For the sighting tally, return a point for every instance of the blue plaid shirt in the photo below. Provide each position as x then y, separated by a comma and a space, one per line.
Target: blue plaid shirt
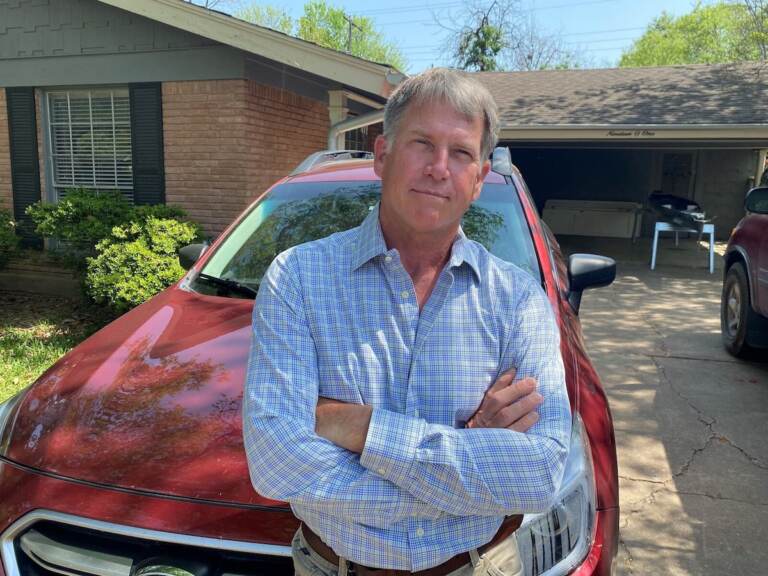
338, 318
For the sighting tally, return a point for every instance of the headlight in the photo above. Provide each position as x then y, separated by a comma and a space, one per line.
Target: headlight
6, 409
555, 542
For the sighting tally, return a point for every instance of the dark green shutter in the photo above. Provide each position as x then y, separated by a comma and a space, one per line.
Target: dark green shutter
147, 143
25, 165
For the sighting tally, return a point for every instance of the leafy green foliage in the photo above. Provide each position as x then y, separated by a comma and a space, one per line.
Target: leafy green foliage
9, 242
137, 260
268, 16
479, 48
330, 27
83, 216
718, 33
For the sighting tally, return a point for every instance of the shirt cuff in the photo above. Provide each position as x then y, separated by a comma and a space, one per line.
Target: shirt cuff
390, 446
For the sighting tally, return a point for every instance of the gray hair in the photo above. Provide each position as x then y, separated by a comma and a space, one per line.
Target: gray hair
458, 89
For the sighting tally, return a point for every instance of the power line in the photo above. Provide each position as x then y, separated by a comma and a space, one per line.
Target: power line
425, 7
605, 40
604, 31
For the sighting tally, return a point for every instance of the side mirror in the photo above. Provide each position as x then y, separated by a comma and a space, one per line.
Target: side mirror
588, 271
190, 254
756, 201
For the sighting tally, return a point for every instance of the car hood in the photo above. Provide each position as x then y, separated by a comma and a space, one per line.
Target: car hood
151, 402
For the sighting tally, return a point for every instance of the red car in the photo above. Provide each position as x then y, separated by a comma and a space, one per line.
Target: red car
126, 457
744, 304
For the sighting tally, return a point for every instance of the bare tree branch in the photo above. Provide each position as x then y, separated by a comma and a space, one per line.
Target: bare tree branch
498, 35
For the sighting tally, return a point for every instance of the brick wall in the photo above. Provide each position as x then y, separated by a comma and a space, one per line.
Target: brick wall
5, 156
226, 141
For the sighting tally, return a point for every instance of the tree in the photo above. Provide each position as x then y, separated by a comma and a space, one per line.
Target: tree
268, 16
532, 49
758, 14
480, 42
724, 32
499, 36
330, 27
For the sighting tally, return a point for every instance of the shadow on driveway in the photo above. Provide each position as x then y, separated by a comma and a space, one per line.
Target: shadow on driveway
690, 420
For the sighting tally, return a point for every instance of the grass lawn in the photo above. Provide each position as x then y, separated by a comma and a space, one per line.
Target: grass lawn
36, 330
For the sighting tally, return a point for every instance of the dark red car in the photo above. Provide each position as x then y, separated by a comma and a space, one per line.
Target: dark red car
744, 304
126, 457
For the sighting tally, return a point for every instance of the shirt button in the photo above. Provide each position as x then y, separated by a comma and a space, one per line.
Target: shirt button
387, 259
419, 532
382, 471
405, 294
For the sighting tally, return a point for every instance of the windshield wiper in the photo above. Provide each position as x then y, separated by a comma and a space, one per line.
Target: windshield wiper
230, 285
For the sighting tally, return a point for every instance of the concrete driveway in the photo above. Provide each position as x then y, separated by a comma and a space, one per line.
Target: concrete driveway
691, 424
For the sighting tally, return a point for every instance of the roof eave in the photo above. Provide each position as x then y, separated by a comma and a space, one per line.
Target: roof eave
348, 70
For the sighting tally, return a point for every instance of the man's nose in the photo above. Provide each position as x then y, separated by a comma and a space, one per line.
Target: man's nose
438, 164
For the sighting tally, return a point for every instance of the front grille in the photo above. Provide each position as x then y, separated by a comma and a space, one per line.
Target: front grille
48, 547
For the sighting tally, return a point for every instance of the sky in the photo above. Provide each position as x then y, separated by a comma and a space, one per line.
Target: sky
598, 29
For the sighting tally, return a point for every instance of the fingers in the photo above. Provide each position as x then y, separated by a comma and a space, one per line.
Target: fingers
502, 398
526, 422
509, 404
519, 409
504, 380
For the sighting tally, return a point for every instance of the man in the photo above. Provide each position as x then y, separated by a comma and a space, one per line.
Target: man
381, 398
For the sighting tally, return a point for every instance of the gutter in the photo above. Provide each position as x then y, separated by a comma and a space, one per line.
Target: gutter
337, 131
635, 132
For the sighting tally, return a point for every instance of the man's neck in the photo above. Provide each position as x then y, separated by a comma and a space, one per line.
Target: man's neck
422, 256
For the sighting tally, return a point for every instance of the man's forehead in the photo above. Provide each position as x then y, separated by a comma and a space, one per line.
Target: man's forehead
428, 118
419, 107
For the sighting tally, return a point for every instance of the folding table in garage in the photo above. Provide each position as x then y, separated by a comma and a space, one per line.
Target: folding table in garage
667, 227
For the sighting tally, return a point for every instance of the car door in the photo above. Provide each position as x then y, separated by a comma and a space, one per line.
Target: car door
761, 229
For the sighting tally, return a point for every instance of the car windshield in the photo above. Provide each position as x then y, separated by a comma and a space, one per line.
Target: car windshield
293, 213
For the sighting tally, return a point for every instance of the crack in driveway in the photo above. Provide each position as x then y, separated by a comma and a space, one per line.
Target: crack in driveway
657, 353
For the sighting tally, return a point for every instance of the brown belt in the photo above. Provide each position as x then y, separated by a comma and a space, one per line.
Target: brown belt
510, 524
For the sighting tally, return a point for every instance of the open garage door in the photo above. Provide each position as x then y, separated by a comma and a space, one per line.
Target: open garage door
607, 182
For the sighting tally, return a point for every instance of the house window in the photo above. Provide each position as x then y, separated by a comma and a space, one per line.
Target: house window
356, 139
90, 140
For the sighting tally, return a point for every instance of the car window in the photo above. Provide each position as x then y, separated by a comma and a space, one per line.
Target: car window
294, 213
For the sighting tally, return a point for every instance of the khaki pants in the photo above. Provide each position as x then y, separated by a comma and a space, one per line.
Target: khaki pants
501, 560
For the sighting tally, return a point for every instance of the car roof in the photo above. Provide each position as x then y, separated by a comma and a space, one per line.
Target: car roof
346, 170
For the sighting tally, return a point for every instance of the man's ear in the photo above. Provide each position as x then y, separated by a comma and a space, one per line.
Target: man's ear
379, 154
479, 184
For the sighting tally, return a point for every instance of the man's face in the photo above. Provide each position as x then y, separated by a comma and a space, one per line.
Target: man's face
432, 172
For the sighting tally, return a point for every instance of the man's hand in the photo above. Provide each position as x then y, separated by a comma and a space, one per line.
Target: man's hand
508, 404
344, 424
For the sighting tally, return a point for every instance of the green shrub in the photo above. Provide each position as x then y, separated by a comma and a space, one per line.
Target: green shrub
9, 242
137, 260
83, 216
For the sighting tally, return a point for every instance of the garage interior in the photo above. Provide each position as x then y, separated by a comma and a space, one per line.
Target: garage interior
716, 178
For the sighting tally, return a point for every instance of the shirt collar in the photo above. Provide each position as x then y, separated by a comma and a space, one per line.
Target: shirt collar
370, 240
370, 244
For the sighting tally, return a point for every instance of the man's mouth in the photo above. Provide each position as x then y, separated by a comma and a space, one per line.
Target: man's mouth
433, 193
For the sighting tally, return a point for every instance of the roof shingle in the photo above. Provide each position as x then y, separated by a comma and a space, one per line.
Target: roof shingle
724, 94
